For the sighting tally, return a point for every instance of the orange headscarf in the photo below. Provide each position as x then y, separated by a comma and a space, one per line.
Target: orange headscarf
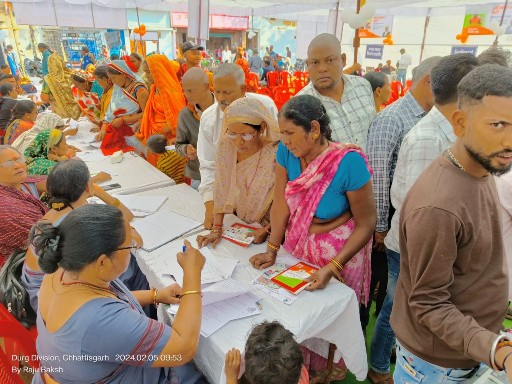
165, 94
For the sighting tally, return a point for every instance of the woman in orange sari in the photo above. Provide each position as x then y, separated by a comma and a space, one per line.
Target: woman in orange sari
244, 64
165, 101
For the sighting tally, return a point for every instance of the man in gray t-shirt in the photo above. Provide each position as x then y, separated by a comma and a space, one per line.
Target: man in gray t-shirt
255, 62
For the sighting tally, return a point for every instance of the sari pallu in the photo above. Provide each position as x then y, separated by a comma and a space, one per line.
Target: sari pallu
15, 129
36, 154
58, 83
88, 102
303, 196
122, 103
19, 211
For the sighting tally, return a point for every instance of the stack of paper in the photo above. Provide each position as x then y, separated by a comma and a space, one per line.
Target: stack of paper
264, 283
163, 227
223, 302
215, 268
142, 206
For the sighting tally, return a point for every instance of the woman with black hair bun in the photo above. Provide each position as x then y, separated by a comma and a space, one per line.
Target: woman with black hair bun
91, 324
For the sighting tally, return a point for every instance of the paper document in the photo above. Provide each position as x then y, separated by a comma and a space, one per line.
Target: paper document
215, 269
148, 204
264, 283
163, 227
90, 156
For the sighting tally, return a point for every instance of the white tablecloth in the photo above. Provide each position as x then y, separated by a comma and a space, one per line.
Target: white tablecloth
133, 173
315, 318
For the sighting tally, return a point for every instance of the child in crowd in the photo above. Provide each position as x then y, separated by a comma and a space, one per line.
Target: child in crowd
169, 162
271, 356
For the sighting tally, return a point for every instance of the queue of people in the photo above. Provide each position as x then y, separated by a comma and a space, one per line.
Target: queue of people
404, 198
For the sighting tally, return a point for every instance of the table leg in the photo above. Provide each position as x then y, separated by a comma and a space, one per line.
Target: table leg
330, 360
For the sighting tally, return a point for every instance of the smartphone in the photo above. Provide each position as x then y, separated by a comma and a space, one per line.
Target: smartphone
111, 186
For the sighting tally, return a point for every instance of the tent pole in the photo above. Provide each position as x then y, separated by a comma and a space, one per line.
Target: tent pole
336, 20
14, 27
427, 21
501, 21
357, 39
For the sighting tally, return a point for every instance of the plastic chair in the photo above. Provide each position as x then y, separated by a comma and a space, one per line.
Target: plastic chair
408, 85
265, 91
286, 79
396, 91
301, 75
281, 96
298, 84
272, 79
14, 333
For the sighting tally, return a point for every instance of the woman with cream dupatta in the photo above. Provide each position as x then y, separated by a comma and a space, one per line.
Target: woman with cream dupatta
244, 170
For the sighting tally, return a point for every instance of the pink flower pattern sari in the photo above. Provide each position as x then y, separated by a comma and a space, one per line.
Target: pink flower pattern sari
303, 196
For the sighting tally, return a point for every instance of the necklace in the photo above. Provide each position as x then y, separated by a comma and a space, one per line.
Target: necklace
83, 283
306, 162
455, 161
247, 187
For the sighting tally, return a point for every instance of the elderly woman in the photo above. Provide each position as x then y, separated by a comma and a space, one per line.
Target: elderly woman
125, 111
58, 88
85, 310
88, 101
47, 148
20, 207
69, 185
244, 168
324, 200
24, 115
165, 101
380, 88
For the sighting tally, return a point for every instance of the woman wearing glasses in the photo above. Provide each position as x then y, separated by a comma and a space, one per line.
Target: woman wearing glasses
69, 186
91, 324
244, 168
20, 207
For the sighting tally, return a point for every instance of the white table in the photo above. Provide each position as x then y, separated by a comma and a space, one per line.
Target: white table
133, 173
316, 318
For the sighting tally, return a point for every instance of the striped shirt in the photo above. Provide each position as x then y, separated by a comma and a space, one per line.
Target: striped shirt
422, 145
384, 139
351, 118
173, 165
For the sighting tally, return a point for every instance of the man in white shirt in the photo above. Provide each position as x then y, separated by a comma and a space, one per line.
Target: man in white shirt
229, 85
226, 55
424, 143
504, 186
347, 99
404, 63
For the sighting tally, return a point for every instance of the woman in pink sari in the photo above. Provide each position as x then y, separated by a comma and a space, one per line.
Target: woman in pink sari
323, 199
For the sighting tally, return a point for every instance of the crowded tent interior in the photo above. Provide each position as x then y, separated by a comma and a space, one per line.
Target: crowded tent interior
256, 191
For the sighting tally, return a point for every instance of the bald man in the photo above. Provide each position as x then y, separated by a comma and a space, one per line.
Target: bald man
196, 88
229, 85
348, 99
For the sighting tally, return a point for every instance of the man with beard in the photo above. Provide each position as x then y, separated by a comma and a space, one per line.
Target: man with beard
452, 292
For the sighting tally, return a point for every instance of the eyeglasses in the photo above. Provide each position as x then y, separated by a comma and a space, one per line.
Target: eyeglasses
12, 162
245, 136
133, 247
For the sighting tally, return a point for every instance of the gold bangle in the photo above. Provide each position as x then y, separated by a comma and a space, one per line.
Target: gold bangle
272, 248
337, 264
116, 202
155, 292
267, 230
190, 293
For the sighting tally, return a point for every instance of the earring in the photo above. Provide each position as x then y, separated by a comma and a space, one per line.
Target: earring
315, 136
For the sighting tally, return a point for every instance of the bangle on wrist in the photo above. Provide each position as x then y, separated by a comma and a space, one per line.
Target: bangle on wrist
494, 348
154, 293
267, 230
190, 293
337, 264
272, 247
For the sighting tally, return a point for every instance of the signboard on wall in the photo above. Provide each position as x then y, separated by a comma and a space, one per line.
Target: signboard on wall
235, 23
377, 26
374, 51
464, 49
496, 14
